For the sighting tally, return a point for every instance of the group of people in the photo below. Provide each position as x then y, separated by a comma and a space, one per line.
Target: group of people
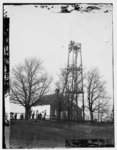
16, 116
39, 116
13, 115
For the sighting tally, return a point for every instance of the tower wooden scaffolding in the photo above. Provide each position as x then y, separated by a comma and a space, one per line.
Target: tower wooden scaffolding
74, 77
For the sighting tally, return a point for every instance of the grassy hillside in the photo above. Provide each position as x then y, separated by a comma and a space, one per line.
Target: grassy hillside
28, 134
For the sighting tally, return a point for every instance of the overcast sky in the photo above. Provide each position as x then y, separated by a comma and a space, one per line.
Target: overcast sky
45, 33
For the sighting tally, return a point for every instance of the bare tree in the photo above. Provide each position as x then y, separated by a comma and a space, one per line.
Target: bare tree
96, 92
28, 84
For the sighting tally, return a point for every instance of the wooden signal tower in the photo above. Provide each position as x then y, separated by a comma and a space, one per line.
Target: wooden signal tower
74, 78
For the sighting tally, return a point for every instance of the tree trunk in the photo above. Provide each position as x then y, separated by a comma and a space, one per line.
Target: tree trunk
91, 116
27, 113
69, 114
59, 114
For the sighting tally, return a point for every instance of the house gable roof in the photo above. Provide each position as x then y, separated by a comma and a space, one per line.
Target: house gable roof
47, 100
51, 100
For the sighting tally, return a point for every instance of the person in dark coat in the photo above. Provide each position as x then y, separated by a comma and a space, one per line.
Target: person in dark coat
33, 116
15, 116
40, 116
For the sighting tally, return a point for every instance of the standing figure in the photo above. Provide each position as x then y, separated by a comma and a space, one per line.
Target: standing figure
40, 116
15, 116
44, 115
33, 115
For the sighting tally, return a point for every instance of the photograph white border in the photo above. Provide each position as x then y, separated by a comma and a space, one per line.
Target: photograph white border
114, 2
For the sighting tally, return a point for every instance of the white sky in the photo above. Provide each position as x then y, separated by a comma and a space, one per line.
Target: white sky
46, 35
